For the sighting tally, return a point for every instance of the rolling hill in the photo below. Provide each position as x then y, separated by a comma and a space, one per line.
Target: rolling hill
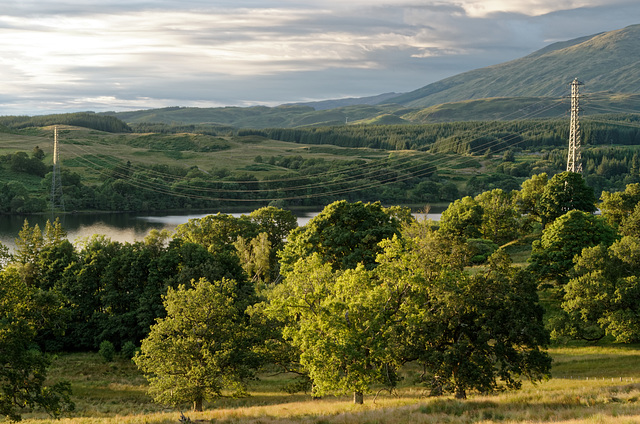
536, 85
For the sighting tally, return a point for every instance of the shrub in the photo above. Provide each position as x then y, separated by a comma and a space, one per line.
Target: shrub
107, 351
481, 249
129, 350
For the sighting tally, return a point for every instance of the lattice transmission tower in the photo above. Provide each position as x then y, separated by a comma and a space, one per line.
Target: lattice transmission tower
574, 158
57, 202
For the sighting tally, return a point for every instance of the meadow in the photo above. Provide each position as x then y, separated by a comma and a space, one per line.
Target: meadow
590, 384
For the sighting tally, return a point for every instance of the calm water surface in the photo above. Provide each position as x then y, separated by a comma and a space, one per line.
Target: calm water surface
122, 227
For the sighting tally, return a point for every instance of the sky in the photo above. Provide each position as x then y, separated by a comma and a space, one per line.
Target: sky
61, 56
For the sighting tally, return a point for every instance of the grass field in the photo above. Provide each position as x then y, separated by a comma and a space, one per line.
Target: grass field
590, 384
89, 152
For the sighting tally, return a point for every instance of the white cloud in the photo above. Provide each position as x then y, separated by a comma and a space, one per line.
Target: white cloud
137, 53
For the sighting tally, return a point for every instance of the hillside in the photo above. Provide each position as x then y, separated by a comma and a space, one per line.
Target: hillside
285, 116
351, 101
497, 108
536, 85
606, 62
515, 108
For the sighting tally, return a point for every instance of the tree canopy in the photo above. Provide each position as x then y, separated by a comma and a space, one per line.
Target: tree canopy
604, 296
201, 347
344, 234
565, 192
552, 256
25, 312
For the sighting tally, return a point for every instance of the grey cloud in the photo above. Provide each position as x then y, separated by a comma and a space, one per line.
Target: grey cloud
441, 41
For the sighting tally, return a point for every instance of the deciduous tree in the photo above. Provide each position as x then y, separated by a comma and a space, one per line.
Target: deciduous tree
605, 293
202, 346
619, 205
501, 222
552, 256
344, 234
24, 312
343, 324
462, 219
565, 192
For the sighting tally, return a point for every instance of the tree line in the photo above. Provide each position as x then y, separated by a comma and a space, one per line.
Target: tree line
78, 119
343, 302
464, 137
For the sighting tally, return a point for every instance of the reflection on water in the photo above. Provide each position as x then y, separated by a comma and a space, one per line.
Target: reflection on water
122, 227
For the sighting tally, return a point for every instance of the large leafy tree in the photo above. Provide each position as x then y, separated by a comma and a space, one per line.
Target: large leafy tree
501, 222
203, 345
483, 332
528, 198
604, 296
630, 225
217, 232
276, 223
24, 312
565, 192
462, 220
344, 234
343, 323
469, 332
617, 206
552, 256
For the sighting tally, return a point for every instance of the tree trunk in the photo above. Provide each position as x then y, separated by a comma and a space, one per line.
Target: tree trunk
197, 404
358, 398
461, 393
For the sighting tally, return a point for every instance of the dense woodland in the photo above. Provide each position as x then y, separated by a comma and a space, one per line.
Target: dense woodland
79, 119
343, 302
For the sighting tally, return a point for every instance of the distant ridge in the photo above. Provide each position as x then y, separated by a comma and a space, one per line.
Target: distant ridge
351, 101
608, 61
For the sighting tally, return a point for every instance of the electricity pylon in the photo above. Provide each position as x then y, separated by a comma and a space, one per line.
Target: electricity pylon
574, 158
57, 202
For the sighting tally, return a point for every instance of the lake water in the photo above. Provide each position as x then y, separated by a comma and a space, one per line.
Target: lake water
122, 227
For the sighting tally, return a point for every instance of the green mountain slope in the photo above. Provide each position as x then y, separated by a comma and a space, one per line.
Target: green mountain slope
534, 86
603, 62
285, 116
515, 108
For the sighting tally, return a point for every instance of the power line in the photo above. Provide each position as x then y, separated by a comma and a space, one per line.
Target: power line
367, 184
414, 166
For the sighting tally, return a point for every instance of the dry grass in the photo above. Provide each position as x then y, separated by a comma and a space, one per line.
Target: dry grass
590, 385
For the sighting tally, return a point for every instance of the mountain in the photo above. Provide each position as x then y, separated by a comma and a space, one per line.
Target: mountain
605, 62
536, 85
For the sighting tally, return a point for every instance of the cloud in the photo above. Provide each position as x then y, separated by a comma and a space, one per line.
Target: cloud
133, 54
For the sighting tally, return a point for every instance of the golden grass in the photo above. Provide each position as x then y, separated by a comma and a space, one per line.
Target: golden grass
591, 384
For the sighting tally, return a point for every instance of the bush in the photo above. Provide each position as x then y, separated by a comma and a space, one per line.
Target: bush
107, 351
129, 350
481, 249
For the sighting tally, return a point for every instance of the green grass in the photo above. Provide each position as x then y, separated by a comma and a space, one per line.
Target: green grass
92, 154
79, 146
590, 384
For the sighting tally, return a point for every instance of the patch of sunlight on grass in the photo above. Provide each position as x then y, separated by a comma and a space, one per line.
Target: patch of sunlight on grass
116, 393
